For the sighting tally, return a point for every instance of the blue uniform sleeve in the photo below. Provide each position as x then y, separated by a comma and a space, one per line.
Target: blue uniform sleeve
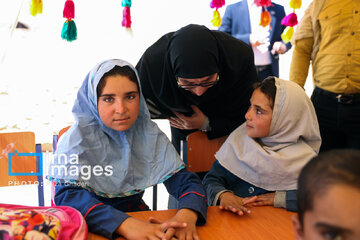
101, 219
215, 181
291, 201
186, 187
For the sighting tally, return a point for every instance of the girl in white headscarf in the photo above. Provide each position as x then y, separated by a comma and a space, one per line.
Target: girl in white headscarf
104, 162
260, 161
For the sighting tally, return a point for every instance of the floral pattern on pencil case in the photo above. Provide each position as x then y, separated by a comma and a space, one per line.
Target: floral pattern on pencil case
28, 224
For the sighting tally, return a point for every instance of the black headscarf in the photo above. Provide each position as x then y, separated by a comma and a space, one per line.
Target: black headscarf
193, 52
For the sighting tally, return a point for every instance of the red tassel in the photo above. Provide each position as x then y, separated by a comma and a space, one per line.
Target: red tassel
69, 9
217, 3
126, 22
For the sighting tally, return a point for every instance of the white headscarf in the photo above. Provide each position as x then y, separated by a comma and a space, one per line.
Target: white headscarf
274, 162
140, 157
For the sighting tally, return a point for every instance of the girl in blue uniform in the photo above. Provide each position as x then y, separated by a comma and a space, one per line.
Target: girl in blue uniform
260, 161
105, 161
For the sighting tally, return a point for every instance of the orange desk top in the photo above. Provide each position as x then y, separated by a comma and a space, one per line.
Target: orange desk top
263, 223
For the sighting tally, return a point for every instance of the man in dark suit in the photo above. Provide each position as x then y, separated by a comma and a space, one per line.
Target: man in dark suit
242, 20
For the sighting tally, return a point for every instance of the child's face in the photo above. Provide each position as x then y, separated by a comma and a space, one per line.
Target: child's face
258, 117
335, 215
118, 104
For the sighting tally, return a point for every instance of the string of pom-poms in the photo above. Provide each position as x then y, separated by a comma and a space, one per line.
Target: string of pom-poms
290, 21
126, 22
69, 30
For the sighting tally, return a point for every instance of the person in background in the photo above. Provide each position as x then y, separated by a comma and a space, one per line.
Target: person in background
113, 152
329, 197
260, 161
199, 79
328, 37
242, 21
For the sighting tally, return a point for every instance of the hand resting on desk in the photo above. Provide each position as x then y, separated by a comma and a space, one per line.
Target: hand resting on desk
130, 229
231, 202
266, 199
188, 232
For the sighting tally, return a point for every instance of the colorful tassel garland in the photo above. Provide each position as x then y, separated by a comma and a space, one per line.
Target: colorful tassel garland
126, 22
36, 7
69, 9
290, 21
295, 4
263, 3
126, 3
216, 21
69, 31
217, 3
287, 34
265, 18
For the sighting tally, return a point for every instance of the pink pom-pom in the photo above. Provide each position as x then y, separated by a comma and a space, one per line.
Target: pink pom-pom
69, 10
126, 22
290, 20
217, 3
263, 3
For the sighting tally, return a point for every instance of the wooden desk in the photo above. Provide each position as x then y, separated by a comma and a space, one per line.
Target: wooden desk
263, 223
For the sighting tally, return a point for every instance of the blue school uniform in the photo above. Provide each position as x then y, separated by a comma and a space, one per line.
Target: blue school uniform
250, 166
104, 215
218, 179
103, 172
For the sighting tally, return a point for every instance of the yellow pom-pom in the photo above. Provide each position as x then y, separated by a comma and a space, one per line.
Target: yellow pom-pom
216, 21
287, 34
295, 4
36, 7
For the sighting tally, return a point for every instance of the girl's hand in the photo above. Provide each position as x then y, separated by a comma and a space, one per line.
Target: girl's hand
232, 203
182, 216
183, 122
266, 199
135, 229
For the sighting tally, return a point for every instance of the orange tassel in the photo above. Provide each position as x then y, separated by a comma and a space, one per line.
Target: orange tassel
265, 18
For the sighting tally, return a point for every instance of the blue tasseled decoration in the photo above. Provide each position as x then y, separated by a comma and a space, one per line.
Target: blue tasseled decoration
126, 3
69, 31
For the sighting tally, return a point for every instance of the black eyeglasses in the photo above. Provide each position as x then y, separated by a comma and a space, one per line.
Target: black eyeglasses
204, 84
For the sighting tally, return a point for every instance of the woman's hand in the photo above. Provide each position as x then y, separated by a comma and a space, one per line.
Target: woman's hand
182, 216
232, 203
266, 199
183, 122
135, 229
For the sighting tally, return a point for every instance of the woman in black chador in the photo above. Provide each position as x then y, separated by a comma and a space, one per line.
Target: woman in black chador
199, 79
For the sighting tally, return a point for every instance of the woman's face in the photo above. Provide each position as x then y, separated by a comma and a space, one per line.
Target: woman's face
259, 115
198, 86
118, 104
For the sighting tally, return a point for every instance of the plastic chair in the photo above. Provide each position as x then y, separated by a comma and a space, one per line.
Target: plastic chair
198, 154
21, 161
198, 151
